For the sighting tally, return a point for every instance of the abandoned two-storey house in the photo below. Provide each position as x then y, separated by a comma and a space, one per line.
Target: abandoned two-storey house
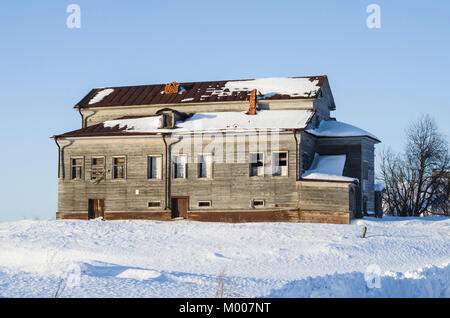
229, 151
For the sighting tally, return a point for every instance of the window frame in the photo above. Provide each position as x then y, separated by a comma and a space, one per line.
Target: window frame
209, 166
154, 207
124, 165
159, 170
258, 206
174, 163
286, 173
82, 172
204, 201
259, 168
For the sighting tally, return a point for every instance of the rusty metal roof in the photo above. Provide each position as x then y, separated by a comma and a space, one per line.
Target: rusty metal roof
193, 92
100, 130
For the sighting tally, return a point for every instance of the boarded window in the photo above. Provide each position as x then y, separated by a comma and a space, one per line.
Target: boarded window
154, 167
205, 166
179, 167
76, 168
119, 167
256, 164
280, 164
97, 168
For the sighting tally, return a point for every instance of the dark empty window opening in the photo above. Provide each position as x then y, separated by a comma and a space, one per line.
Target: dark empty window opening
154, 204
204, 204
258, 203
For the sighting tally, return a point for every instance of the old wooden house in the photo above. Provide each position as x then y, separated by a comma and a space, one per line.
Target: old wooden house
229, 151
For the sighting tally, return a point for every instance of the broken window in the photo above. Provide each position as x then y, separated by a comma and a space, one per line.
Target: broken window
76, 168
204, 166
119, 171
179, 167
154, 169
280, 164
97, 168
256, 164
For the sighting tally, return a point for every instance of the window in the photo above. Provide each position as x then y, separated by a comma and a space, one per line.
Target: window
179, 167
204, 166
258, 203
365, 176
119, 168
256, 164
154, 169
280, 164
204, 204
365, 170
154, 204
97, 168
76, 168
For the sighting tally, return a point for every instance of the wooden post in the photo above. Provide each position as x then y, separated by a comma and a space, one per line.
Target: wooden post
364, 232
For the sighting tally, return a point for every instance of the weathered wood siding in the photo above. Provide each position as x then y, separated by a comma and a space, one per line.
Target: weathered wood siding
357, 150
324, 202
230, 189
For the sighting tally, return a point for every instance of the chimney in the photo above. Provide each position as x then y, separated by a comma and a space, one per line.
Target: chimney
252, 107
171, 88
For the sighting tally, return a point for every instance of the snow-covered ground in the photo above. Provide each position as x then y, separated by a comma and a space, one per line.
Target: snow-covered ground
192, 259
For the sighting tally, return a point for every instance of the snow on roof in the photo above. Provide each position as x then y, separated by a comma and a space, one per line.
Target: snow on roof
143, 124
228, 121
327, 168
294, 87
332, 128
100, 95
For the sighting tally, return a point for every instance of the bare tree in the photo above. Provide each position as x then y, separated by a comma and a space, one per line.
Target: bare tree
416, 181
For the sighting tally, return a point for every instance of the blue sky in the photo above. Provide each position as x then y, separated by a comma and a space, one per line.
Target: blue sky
382, 79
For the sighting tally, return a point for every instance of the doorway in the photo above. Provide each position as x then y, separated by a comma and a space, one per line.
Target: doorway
179, 207
96, 208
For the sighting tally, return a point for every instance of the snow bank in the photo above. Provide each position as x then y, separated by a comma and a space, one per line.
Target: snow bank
431, 281
333, 128
327, 168
100, 95
146, 258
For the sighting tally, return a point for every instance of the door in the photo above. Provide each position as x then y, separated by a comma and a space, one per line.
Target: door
179, 207
96, 208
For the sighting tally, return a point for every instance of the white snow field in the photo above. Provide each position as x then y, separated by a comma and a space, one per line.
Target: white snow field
192, 259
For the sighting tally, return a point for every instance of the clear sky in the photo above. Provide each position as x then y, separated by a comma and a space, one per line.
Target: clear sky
381, 78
